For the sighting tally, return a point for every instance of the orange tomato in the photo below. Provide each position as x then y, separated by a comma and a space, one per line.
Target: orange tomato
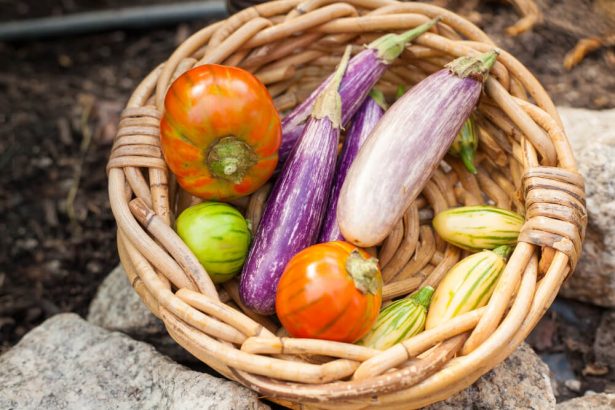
330, 291
220, 132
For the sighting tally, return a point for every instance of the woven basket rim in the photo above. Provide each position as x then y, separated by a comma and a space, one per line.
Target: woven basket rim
526, 163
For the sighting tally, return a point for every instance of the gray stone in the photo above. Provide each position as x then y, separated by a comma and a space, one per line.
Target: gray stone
67, 363
520, 382
602, 401
605, 340
117, 306
592, 135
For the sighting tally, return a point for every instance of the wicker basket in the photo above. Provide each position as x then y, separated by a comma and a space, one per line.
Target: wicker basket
526, 164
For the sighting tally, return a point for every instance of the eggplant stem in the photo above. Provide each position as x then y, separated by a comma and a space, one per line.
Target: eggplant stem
329, 103
476, 67
390, 46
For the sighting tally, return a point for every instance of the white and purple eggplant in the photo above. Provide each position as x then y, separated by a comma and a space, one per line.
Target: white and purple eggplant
406, 146
293, 212
361, 126
364, 71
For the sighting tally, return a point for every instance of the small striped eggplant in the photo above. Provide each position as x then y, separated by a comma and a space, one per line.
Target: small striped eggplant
478, 227
364, 71
293, 213
361, 126
405, 148
467, 286
399, 321
465, 145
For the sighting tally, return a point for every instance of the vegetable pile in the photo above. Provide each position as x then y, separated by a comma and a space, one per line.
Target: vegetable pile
309, 257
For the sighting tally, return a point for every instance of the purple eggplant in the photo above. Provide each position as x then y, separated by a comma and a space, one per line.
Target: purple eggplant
364, 70
293, 213
361, 126
406, 146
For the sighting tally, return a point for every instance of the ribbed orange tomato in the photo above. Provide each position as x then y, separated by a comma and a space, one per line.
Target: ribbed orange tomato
220, 132
330, 291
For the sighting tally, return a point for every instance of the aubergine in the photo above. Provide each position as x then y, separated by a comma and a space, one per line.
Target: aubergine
364, 71
361, 126
293, 213
405, 148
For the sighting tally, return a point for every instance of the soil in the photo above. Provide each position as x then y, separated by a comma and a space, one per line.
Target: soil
59, 103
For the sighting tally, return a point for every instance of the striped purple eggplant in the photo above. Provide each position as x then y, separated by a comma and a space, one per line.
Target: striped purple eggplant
293, 213
406, 146
364, 71
361, 126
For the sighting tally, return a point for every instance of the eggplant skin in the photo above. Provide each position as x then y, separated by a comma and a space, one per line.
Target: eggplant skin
364, 70
293, 214
361, 126
401, 153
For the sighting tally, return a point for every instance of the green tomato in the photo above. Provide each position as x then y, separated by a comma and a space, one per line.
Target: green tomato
218, 235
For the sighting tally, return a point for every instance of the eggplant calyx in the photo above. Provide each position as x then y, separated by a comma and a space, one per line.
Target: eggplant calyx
476, 67
423, 296
390, 46
363, 272
329, 103
230, 158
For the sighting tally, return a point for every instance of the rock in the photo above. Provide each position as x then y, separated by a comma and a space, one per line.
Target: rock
67, 363
573, 385
592, 136
602, 401
117, 306
605, 340
520, 382
584, 125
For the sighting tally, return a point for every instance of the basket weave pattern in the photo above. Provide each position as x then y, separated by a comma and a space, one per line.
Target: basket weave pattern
525, 164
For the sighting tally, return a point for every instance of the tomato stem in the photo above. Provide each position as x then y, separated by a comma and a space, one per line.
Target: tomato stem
230, 158
363, 272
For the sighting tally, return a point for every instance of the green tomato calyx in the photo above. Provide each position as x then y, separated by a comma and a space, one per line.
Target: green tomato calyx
230, 158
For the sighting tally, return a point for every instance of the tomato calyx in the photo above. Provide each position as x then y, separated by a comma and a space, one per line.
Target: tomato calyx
363, 272
230, 158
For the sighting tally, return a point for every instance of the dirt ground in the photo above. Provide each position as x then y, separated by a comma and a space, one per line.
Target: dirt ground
59, 102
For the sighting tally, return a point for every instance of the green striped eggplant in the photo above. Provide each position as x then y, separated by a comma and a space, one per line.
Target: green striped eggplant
467, 286
399, 321
478, 227
218, 235
465, 144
